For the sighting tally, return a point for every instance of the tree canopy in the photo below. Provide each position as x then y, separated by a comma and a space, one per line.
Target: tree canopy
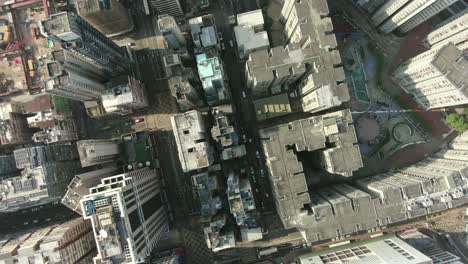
457, 121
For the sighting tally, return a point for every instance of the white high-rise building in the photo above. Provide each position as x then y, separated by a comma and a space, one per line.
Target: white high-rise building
435, 78
453, 30
171, 32
191, 136
127, 214
93, 152
407, 14
385, 249
81, 184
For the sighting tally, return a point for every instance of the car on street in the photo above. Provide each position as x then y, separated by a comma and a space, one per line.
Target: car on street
244, 95
258, 154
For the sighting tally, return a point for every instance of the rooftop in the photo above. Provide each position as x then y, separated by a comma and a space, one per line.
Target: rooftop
273, 106
44, 184
385, 249
205, 184
203, 30
57, 24
80, 185
287, 146
311, 51
252, 18
452, 62
211, 74
192, 140
248, 40
110, 17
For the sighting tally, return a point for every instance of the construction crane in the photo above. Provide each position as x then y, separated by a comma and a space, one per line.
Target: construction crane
17, 45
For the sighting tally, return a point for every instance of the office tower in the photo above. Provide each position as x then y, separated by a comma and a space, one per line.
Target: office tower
124, 95
310, 64
127, 214
81, 38
249, 33
405, 15
39, 155
435, 78
453, 30
94, 152
72, 76
171, 32
37, 186
68, 243
211, 72
191, 138
168, 7
186, 95
384, 249
81, 183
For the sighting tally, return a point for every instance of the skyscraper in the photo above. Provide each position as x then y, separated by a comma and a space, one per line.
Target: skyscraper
81, 184
81, 38
127, 214
435, 78
93, 152
71, 76
168, 7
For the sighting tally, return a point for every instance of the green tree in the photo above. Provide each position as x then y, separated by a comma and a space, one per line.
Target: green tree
457, 121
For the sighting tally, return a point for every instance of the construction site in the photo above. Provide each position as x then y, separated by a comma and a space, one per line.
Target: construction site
23, 48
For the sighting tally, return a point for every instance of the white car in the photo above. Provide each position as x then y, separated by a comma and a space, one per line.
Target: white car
244, 95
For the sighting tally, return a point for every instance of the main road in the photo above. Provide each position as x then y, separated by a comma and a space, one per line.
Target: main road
245, 113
